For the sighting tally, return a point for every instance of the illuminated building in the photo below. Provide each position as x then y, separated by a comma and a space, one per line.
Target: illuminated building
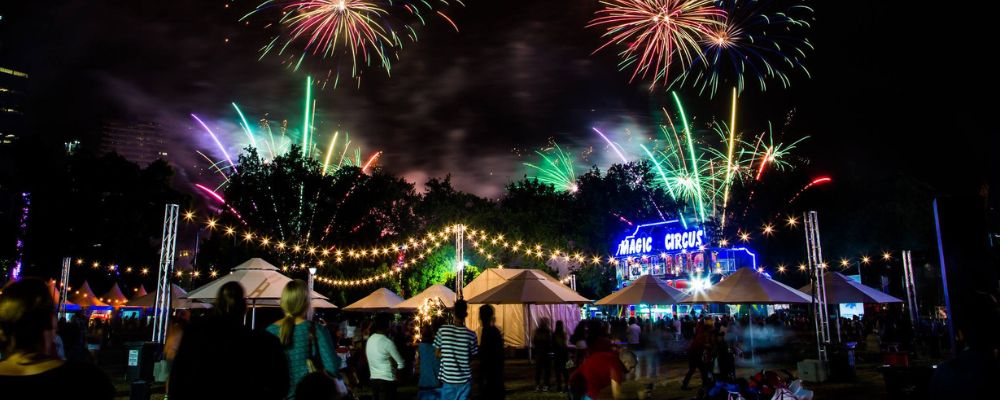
12, 87
139, 142
677, 254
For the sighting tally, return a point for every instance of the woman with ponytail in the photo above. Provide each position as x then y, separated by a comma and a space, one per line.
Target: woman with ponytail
308, 347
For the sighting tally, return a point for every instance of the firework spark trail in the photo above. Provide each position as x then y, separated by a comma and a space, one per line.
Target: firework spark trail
694, 165
371, 160
246, 126
217, 142
659, 170
558, 171
815, 182
612, 144
347, 144
729, 159
453, 25
656, 32
329, 152
305, 119
221, 200
215, 165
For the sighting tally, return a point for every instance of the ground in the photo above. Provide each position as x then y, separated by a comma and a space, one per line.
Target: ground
869, 383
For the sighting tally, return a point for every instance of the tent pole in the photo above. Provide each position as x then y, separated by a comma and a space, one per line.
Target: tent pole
753, 349
838, 324
527, 331
253, 316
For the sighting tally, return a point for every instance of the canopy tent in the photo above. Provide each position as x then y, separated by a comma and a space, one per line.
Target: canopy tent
521, 298
177, 299
114, 296
447, 296
85, 298
841, 289
54, 289
260, 279
138, 292
381, 299
746, 286
647, 289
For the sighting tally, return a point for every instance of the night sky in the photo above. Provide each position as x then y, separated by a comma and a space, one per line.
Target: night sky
894, 107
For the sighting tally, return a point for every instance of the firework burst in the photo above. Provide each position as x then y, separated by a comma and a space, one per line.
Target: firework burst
363, 33
657, 33
753, 41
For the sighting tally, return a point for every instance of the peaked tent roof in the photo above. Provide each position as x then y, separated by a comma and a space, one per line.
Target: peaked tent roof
381, 299
139, 292
260, 280
746, 286
529, 287
84, 297
177, 299
647, 289
841, 289
446, 295
114, 296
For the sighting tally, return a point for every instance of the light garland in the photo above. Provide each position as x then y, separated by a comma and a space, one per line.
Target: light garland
425, 315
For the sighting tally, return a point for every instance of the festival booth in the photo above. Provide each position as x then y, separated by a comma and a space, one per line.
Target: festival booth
521, 298
381, 300
747, 286
88, 302
843, 291
648, 291
261, 281
435, 292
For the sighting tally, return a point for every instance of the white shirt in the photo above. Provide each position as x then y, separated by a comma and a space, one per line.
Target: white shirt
381, 351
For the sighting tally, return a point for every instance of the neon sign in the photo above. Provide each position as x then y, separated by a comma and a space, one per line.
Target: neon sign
658, 237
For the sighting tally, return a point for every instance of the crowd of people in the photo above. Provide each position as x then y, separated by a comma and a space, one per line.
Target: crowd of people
304, 357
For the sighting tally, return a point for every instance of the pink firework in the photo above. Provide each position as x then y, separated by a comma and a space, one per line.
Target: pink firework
657, 33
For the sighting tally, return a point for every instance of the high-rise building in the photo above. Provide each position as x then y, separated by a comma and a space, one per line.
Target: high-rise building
139, 142
13, 83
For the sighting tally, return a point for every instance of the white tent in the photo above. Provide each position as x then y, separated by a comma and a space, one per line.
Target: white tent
447, 296
510, 318
259, 279
381, 299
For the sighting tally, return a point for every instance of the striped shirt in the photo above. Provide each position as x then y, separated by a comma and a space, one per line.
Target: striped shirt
457, 345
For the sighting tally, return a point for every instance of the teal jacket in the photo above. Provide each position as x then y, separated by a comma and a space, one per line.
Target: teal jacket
298, 352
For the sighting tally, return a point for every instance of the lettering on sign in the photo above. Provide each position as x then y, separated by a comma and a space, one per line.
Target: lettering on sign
133, 358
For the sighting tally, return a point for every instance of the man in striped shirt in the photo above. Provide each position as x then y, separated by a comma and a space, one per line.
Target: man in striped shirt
456, 345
